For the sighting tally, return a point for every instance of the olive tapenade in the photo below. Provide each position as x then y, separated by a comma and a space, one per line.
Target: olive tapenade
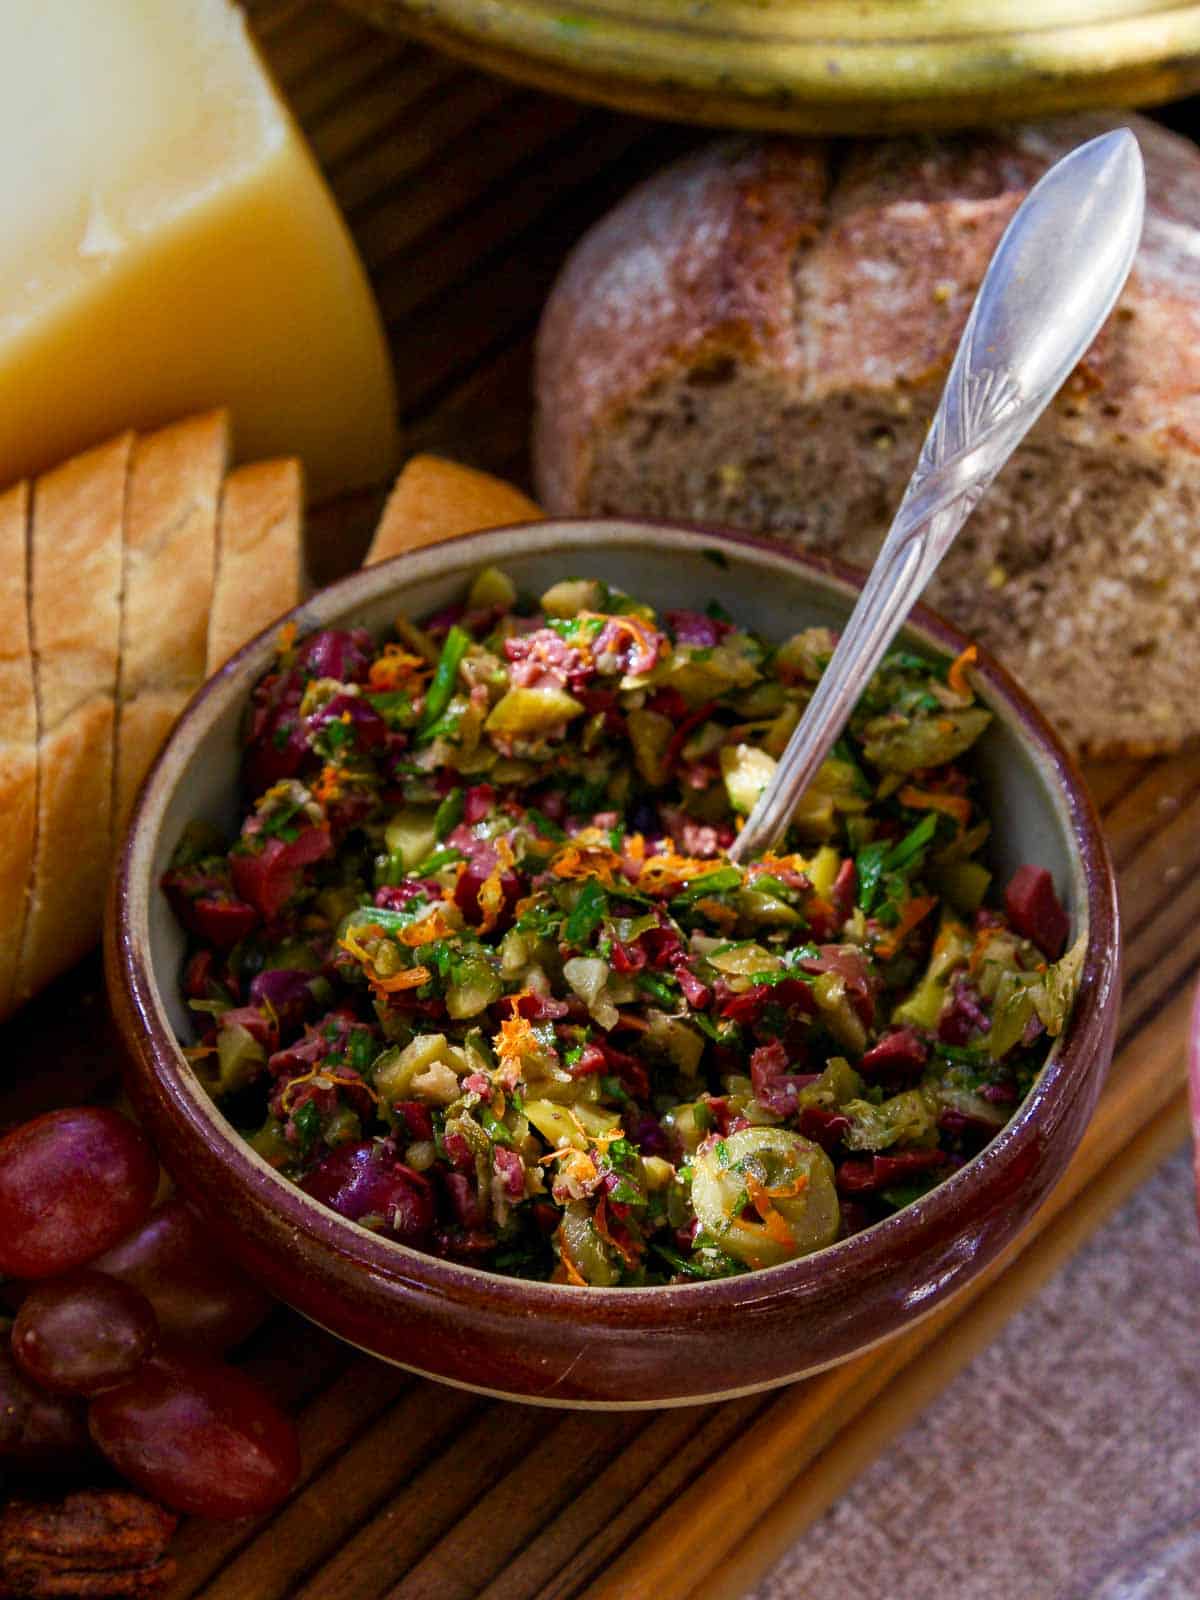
478, 974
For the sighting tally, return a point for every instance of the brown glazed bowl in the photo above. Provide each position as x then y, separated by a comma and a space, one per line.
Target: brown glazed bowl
552, 1343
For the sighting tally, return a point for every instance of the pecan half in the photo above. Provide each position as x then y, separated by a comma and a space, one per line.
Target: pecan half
92, 1543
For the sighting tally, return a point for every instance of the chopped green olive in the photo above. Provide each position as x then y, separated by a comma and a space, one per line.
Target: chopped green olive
765, 1195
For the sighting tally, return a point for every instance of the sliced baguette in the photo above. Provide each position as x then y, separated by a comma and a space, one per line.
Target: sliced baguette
170, 542
75, 620
259, 571
434, 499
18, 737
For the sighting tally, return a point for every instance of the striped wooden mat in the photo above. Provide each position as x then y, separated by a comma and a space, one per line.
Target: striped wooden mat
464, 193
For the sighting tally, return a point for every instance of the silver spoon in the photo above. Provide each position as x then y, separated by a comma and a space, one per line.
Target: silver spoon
1051, 283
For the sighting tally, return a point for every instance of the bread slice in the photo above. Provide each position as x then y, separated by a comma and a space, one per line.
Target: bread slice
170, 542
18, 737
434, 499
259, 572
75, 615
758, 336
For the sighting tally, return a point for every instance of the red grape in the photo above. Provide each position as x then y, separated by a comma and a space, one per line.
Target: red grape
197, 1295
83, 1333
200, 1436
71, 1184
37, 1430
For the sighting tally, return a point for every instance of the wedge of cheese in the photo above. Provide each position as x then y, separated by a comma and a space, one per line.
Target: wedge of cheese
168, 246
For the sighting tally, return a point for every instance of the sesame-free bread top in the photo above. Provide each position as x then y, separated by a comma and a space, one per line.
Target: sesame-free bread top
435, 499
170, 542
758, 336
18, 737
75, 626
259, 562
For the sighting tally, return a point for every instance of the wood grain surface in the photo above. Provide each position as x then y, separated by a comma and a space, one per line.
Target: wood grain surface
463, 194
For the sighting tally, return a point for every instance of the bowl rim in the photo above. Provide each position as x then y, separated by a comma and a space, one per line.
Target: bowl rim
150, 1039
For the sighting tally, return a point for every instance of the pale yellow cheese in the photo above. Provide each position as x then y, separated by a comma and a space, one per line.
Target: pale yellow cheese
167, 245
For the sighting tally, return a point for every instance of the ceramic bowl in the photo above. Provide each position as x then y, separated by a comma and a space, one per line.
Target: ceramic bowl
551, 1343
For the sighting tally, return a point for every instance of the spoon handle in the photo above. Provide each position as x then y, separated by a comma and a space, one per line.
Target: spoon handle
1051, 283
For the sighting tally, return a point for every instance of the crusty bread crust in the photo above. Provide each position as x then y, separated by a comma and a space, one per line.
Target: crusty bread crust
757, 337
75, 611
434, 499
259, 570
170, 542
18, 737
692, 268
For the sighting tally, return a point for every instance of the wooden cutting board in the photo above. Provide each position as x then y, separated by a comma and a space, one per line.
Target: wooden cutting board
463, 194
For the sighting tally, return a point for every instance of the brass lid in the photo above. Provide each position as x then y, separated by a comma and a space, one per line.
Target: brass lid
824, 66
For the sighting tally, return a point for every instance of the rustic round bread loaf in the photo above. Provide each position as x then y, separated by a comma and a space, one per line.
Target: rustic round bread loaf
758, 335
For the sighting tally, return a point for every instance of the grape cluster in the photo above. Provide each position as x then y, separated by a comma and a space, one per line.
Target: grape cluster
123, 1313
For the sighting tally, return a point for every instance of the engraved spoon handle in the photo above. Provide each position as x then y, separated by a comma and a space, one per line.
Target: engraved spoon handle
1052, 281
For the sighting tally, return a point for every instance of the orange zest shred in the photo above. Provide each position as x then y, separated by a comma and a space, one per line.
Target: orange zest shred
351, 943
774, 1226
491, 890
564, 1255
668, 870
584, 860
771, 863
557, 1155
332, 1078
329, 785
428, 930
515, 1039
956, 678
647, 640
287, 638
396, 668
789, 1191
954, 805
409, 978
912, 912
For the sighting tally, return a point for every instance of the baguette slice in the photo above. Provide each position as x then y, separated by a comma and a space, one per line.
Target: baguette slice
75, 621
18, 737
170, 544
259, 559
434, 499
